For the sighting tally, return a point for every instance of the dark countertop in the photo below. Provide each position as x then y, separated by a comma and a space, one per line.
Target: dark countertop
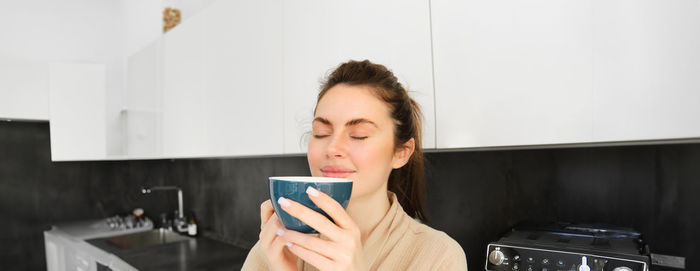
199, 253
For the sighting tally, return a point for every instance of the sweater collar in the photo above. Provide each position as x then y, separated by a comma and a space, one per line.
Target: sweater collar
387, 233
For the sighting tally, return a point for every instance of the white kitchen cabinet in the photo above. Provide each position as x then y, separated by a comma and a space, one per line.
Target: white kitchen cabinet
243, 78
319, 35
183, 113
646, 70
77, 111
66, 251
512, 72
64, 254
55, 253
143, 112
222, 87
240, 78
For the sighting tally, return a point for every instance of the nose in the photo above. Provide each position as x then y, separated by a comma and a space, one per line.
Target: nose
337, 147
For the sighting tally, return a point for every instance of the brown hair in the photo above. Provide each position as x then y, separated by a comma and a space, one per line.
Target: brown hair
408, 181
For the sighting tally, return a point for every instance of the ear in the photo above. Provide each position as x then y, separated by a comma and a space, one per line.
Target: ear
403, 154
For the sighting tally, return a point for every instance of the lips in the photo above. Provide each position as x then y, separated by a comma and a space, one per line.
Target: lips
336, 171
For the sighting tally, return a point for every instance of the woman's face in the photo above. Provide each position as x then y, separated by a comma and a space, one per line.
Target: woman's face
353, 138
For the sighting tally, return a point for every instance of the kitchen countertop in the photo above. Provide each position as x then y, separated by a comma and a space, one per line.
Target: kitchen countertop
199, 253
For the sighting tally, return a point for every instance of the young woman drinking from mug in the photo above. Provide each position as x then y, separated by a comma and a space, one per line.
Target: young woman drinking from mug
365, 128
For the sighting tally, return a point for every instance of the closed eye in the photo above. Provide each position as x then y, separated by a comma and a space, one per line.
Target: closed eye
359, 137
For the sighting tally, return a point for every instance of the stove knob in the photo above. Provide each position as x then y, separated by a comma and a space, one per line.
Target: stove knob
496, 257
599, 264
584, 265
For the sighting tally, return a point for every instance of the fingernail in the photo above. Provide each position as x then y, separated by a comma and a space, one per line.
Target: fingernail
289, 244
284, 202
280, 232
312, 191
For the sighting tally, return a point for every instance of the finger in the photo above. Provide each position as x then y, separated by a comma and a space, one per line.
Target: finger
331, 207
276, 253
267, 233
313, 243
266, 211
276, 248
313, 258
271, 243
312, 218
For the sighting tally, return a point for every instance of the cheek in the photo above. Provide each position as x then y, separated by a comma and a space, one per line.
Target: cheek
315, 157
370, 157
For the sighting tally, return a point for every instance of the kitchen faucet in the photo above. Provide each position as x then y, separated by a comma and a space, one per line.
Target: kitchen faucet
180, 222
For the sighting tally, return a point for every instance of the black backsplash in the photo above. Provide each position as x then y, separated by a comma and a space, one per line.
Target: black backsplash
473, 196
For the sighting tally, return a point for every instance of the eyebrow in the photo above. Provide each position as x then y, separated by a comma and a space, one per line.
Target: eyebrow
349, 123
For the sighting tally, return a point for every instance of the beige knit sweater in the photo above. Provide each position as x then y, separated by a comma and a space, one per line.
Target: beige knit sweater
398, 242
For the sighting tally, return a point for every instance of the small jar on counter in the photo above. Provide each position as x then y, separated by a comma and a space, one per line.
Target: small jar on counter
192, 226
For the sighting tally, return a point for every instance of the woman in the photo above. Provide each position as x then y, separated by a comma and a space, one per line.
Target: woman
365, 128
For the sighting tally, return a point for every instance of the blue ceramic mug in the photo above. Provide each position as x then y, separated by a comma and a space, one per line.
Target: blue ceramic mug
294, 188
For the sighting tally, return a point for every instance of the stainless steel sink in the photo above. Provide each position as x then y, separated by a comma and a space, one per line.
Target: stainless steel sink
145, 239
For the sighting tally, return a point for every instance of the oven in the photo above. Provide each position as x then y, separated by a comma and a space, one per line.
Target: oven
566, 247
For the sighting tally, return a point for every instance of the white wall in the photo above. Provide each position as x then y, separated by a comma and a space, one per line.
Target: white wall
23, 89
60, 30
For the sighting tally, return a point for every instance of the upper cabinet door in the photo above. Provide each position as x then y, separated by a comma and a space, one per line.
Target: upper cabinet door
184, 97
243, 77
512, 72
319, 35
144, 94
77, 112
222, 91
646, 70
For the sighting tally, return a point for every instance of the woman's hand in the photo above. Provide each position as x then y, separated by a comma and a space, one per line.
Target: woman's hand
343, 250
272, 246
